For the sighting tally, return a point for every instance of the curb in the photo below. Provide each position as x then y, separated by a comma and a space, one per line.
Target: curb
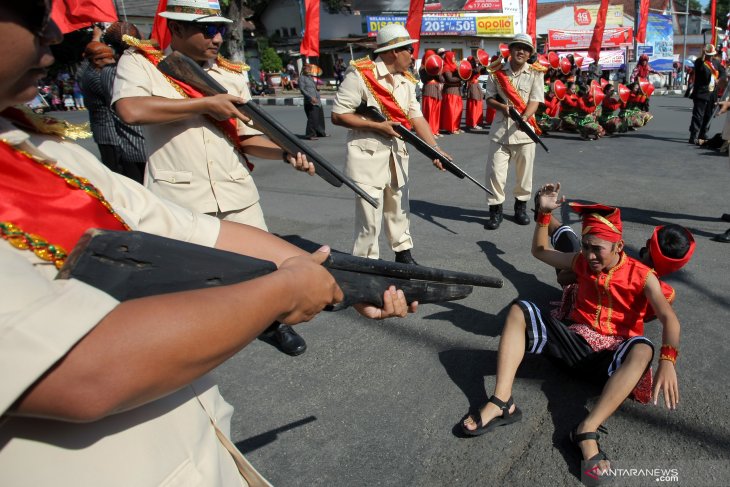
287, 101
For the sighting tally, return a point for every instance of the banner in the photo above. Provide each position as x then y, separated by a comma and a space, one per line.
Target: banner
71, 15
581, 39
413, 23
484, 5
310, 38
160, 32
531, 22
456, 24
643, 17
659, 44
594, 49
584, 16
613, 59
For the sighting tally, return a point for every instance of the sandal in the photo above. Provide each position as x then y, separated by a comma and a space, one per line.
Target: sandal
591, 464
503, 420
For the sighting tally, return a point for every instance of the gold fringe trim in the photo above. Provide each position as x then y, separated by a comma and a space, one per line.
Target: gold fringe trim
232, 66
47, 125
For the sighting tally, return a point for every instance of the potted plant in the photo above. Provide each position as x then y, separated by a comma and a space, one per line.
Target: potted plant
271, 63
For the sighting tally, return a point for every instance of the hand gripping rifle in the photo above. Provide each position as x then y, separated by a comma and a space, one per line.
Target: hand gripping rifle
421, 145
179, 66
128, 265
524, 126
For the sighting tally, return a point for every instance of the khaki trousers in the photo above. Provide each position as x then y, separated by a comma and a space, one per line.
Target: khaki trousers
392, 211
498, 159
252, 216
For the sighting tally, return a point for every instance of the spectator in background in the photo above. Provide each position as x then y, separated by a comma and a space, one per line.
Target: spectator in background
708, 73
78, 96
130, 138
340, 68
642, 69
312, 104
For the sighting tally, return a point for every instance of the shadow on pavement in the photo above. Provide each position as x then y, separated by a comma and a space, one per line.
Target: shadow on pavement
429, 211
255, 442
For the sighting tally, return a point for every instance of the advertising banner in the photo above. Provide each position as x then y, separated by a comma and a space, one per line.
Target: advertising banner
584, 16
484, 5
455, 24
659, 44
581, 39
612, 59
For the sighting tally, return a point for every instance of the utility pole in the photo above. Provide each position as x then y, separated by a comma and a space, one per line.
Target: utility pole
684, 31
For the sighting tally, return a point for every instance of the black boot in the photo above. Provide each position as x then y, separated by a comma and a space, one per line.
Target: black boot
285, 338
405, 257
521, 213
495, 217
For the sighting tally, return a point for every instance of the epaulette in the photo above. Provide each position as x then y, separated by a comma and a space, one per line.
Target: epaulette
25, 118
538, 67
149, 46
231, 66
410, 77
363, 63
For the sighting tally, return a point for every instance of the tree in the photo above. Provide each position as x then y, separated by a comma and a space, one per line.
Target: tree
270, 61
721, 10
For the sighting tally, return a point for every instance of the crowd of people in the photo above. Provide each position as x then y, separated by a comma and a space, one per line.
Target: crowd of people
126, 386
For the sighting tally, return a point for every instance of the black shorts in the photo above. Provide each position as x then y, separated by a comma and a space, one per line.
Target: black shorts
547, 336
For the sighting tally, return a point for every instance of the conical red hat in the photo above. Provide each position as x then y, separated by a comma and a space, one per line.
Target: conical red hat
559, 89
483, 57
623, 93
554, 59
465, 70
594, 83
565, 65
578, 59
646, 87
434, 65
543, 60
504, 50
597, 94
604, 82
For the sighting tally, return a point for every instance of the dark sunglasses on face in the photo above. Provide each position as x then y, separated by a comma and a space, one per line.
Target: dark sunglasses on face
405, 48
211, 30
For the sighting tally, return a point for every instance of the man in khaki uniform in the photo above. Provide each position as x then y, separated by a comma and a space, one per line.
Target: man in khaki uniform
508, 143
93, 391
191, 160
376, 158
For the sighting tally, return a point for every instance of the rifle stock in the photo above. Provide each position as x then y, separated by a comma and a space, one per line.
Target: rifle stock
181, 67
129, 265
421, 145
524, 126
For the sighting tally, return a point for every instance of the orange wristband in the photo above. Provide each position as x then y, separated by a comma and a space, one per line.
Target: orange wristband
668, 352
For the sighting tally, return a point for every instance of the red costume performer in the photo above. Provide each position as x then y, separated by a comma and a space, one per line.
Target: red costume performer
431, 94
451, 104
474, 99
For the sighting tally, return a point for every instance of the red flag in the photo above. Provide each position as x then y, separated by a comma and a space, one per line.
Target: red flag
160, 32
413, 24
643, 18
532, 20
594, 49
71, 15
310, 40
713, 21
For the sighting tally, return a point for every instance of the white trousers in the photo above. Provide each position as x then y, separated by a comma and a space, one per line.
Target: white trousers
498, 158
392, 211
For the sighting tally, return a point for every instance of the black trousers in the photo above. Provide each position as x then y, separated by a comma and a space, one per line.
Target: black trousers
701, 115
315, 120
112, 158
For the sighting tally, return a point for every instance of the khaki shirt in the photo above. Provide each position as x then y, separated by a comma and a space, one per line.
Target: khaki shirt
369, 153
190, 162
530, 85
170, 441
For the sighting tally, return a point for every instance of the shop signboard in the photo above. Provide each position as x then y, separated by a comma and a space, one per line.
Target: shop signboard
563, 39
584, 16
452, 24
609, 59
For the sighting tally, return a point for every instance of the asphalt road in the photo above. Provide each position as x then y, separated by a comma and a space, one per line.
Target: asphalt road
376, 403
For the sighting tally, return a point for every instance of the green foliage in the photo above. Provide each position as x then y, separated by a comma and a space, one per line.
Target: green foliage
270, 61
722, 8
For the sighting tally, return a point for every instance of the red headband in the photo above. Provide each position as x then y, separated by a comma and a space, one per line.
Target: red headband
664, 265
600, 220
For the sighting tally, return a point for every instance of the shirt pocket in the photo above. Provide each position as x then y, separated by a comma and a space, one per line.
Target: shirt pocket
366, 145
239, 174
185, 475
173, 177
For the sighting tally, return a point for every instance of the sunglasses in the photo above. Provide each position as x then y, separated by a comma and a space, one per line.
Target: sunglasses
209, 31
404, 48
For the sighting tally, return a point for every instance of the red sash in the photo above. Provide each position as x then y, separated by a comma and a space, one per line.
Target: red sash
514, 97
46, 208
388, 104
228, 127
711, 67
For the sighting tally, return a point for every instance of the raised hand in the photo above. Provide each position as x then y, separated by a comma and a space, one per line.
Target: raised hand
550, 198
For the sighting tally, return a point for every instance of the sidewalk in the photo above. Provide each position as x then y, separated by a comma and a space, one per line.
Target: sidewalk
291, 98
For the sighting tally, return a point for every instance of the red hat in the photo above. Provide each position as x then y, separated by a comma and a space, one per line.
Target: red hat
554, 59
428, 52
600, 220
578, 60
434, 65
483, 57
543, 60
465, 70
597, 94
664, 265
646, 87
565, 65
504, 50
604, 82
559, 89
623, 93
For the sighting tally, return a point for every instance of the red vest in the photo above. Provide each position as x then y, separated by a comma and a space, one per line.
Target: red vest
612, 302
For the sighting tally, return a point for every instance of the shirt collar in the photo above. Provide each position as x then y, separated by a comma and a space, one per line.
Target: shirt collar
382, 71
11, 134
508, 68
